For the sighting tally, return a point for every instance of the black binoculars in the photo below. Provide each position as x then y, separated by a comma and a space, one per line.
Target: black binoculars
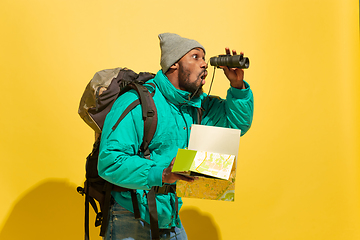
231, 61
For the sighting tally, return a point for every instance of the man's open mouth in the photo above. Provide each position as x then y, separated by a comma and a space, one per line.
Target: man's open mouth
203, 75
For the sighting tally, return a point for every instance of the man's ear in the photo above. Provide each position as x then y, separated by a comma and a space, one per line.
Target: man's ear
175, 66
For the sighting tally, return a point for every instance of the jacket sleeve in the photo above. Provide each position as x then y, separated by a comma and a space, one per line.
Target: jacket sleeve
119, 162
236, 111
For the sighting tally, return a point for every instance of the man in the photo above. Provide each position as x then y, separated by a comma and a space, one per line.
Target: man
178, 95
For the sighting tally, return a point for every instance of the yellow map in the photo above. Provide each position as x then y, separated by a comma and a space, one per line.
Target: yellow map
208, 188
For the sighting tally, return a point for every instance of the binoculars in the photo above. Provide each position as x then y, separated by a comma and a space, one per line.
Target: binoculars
231, 61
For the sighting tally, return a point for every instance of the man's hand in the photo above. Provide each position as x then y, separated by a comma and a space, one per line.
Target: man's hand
235, 75
170, 177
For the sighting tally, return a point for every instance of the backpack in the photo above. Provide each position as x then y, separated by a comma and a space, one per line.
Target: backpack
99, 96
96, 102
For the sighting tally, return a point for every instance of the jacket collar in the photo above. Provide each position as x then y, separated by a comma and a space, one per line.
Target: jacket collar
173, 95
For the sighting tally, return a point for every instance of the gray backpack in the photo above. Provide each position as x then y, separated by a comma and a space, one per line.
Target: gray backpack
96, 102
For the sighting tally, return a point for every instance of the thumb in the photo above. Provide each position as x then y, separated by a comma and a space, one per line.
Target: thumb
171, 164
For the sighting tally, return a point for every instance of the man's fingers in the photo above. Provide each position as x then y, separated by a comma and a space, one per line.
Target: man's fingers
227, 50
185, 178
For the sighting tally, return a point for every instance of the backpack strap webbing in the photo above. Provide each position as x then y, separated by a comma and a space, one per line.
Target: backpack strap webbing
105, 213
149, 115
87, 200
151, 199
150, 119
154, 225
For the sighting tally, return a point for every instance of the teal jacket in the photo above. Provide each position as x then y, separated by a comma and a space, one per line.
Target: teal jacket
118, 159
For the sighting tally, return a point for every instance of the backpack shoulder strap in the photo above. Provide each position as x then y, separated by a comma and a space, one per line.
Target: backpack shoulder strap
149, 113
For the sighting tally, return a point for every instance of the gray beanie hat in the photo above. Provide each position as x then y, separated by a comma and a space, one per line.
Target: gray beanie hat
173, 47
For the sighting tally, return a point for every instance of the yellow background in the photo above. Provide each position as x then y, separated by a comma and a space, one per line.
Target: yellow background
299, 165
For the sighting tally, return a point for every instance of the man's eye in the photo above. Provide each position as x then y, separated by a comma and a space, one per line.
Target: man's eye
195, 56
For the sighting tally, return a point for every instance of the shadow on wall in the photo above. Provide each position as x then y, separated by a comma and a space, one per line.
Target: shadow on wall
198, 226
51, 210
55, 210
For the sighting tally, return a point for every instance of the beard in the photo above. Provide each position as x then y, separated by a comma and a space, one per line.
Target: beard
195, 87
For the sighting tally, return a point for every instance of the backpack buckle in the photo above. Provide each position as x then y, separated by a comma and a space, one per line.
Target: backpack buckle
151, 113
99, 219
81, 190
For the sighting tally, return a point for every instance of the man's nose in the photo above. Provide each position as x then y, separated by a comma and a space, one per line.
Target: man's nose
204, 64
